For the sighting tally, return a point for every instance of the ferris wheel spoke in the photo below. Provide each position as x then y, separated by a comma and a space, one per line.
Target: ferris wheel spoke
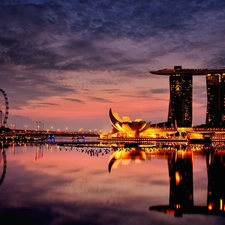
6, 112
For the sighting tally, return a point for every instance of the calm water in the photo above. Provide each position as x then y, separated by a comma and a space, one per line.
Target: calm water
51, 185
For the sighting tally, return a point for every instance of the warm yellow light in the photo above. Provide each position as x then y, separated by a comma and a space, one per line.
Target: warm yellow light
125, 161
138, 161
210, 206
177, 178
221, 204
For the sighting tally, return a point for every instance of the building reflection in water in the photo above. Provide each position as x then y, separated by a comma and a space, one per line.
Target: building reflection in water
3, 165
140, 153
125, 156
39, 152
181, 198
216, 181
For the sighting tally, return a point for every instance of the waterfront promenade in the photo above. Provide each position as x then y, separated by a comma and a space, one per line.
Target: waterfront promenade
210, 135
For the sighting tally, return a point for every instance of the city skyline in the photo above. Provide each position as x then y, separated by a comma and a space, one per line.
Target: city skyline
66, 63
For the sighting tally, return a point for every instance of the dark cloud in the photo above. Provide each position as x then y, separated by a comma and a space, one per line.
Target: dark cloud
66, 35
23, 86
47, 104
217, 60
100, 99
111, 91
159, 91
74, 100
102, 81
159, 182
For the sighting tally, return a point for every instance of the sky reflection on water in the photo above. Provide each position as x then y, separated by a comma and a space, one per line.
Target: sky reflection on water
44, 185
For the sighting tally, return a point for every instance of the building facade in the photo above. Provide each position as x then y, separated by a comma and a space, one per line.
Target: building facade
215, 113
180, 103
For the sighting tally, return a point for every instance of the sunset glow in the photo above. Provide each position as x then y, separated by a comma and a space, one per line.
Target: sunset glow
69, 70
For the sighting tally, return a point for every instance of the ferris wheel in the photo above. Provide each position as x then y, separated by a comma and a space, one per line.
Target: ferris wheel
4, 110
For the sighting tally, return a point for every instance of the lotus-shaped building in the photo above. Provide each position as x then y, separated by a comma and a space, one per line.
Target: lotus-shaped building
125, 126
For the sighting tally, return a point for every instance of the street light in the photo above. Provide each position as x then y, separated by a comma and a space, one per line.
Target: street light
42, 125
37, 122
25, 127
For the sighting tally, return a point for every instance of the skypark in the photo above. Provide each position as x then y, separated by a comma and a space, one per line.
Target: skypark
180, 70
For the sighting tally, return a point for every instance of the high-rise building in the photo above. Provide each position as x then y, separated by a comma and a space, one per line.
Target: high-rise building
215, 113
180, 103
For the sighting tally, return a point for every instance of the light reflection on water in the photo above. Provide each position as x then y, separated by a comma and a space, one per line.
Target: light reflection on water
49, 184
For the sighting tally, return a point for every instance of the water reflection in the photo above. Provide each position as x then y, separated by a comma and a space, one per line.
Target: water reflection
180, 166
39, 152
89, 150
3, 165
141, 153
125, 156
83, 183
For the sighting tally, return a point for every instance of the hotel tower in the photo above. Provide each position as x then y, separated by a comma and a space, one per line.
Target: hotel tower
180, 103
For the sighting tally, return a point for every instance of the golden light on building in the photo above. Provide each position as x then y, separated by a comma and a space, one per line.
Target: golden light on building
123, 156
210, 206
221, 204
178, 178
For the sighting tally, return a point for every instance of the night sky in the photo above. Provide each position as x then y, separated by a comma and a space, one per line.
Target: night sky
65, 63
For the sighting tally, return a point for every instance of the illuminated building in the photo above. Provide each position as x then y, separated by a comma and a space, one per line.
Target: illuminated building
180, 103
127, 128
215, 114
179, 121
